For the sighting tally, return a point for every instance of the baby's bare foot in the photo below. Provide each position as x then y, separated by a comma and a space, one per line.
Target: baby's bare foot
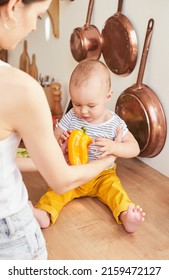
132, 218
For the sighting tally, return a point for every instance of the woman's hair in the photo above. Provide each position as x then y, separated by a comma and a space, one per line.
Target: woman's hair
3, 2
87, 70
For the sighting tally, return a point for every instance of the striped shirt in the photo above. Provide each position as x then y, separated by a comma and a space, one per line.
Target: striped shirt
106, 129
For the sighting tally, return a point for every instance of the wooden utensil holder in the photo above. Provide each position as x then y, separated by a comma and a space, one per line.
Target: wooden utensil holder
53, 94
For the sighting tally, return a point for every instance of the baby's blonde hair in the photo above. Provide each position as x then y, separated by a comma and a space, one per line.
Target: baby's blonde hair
88, 70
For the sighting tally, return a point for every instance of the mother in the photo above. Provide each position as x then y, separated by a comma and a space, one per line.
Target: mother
24, 113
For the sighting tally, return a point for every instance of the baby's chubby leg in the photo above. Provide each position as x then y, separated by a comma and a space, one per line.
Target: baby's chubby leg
132, 218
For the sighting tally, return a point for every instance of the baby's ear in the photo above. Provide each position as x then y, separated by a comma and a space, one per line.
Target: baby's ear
109, 95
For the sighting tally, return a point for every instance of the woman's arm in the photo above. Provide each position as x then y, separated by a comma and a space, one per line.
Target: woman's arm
26, 164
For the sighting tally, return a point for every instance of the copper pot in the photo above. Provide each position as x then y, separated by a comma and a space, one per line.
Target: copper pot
85, 42
142, 111
119, 47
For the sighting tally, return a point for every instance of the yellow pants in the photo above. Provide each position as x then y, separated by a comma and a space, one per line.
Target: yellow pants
106, 187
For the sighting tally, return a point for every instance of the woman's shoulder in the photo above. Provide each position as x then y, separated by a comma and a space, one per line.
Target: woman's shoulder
14, 75
20, 88
21, 83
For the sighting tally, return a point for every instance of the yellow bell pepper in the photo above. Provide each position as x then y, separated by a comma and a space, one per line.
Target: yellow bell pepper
78, 143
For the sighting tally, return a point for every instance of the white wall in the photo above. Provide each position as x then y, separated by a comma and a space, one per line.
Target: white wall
54, 57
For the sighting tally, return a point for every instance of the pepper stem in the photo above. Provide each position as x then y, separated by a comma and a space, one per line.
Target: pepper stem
84, 129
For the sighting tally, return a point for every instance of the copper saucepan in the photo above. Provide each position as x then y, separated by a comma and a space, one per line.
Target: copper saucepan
119, 46
142, 111
86, 42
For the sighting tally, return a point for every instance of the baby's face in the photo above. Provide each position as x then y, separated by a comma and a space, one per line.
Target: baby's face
89, 101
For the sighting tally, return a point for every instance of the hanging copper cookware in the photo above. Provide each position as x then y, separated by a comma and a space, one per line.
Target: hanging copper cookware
119, 47
142, 111
86, 42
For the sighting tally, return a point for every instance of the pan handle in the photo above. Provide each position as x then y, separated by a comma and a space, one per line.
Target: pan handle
120, 4
89, 12
145, 52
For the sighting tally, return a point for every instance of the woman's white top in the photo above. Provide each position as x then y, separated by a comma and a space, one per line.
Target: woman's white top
13, 193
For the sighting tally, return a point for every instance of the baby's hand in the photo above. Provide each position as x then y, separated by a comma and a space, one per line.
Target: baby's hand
65, 135
105, 146
63, 140
108, 146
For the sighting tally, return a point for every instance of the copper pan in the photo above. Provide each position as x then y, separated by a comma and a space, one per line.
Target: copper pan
85, 42
142, 111
119, 47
